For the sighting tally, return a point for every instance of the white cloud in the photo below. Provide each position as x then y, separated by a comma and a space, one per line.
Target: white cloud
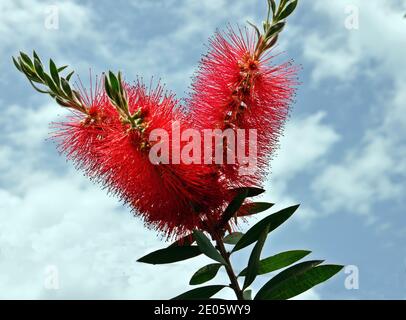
305, 142
363, 178
65, 222
340, 52
56, 218
165, 54
372, 170
338, 63
303, 149
27, 19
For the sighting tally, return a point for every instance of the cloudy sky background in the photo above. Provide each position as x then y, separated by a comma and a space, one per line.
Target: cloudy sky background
342, 156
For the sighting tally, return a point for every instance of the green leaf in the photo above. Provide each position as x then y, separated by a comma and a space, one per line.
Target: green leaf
236, 203
50, 83
233, 238
276, 28
27, 60
272, 41
200, 293
17, 65
113, 82
112, 88
300, 283
35, 55
54, 72
288, 11
253, 208
293, 271
60, 69
207, 247
61, 102
120, 81
247, 294
251, 191
26, 69
107, 87
39, 69
184, 241
171, 254
253, 262
76, 96
272, 4
69, 76
255, 28
273, 221
205, 274
66, 88
278, 261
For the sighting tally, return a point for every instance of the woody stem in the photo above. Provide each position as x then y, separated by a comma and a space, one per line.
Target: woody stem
230, 272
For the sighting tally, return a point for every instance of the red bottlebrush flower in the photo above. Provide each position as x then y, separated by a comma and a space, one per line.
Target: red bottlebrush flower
172, 198
237, 87
81, 136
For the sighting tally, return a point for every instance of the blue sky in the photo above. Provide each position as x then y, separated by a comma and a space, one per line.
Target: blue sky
342, 155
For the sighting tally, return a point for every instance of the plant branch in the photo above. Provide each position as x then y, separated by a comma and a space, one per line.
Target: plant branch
230, 272
51, 83
272, 27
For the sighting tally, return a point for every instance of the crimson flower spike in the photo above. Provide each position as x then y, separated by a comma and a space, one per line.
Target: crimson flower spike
237, 87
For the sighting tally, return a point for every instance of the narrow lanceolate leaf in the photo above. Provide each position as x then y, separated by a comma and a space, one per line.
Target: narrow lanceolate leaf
276, 28
60, 69
54, 72
113, 81
17, 65
66, 88
251, 191
200, 293
278, 261
171, 254
300, 283
26, 59
271, 222
39, 69
51, 84
253, 262
184, 241
273, 5
255, 28
205, 274
207, 247
233, 238
69, 75
289, 9
293, 271
235, 204
253, 208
